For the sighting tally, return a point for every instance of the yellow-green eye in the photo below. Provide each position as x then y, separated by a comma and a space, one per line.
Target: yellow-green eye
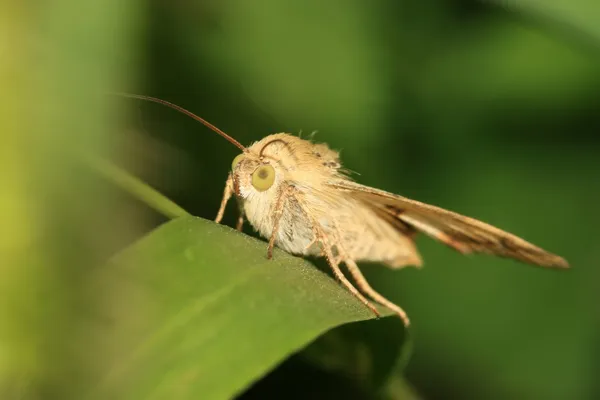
236, 160
263, 177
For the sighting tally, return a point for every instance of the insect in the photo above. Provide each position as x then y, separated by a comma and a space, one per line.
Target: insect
296, 194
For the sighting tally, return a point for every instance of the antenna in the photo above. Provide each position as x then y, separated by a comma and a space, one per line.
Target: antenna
186, 112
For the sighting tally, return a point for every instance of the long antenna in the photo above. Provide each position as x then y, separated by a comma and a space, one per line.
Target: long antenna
186, 112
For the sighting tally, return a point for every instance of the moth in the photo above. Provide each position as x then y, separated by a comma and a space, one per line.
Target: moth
296, 194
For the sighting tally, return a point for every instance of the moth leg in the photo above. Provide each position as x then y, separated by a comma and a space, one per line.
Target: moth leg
241, 217
240, 222
363, 284
321, 238
226, 196
313, 241
279, 206
340, 275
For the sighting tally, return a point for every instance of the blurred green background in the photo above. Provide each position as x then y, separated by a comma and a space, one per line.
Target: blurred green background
488, 109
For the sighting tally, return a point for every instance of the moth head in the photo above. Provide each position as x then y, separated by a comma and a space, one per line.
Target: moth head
263, 166
254, 175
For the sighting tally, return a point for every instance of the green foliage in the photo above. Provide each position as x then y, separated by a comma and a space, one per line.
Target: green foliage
220, 314
135, 187
488, 108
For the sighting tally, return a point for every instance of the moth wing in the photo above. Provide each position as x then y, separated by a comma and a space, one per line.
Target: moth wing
464, 234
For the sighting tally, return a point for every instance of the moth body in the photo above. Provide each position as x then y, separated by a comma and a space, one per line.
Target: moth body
307, 169
296, 194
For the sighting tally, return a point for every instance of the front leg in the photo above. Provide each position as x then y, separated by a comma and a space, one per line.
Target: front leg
226, 196
279, 207
227, 193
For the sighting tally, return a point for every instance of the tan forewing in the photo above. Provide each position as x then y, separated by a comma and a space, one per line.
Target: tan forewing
462, 233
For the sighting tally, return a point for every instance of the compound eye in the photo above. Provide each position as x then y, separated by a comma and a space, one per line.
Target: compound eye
263, 177
236, 161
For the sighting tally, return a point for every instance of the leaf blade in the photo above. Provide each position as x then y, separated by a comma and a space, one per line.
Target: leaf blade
136, 187
221, 314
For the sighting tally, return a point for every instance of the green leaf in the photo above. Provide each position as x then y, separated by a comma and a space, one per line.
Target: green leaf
214, 314
136, 187
578, 15
371, 353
